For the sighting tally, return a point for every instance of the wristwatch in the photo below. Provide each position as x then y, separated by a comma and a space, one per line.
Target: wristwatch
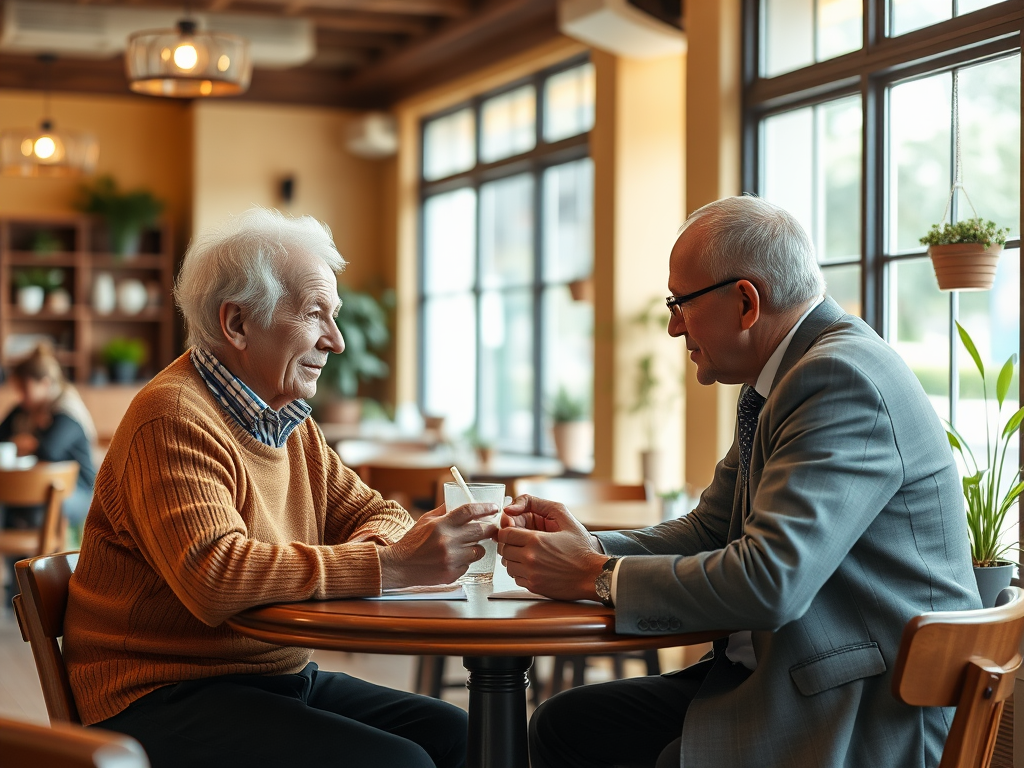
603, 582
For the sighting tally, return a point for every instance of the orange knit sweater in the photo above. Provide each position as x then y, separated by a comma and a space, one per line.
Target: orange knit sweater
192, 521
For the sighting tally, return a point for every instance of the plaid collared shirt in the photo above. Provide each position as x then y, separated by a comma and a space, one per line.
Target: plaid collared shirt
257, 418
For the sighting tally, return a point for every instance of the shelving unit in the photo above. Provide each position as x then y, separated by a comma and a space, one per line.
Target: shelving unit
76, 245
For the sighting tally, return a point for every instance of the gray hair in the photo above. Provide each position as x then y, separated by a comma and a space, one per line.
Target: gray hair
749, 237
243, 262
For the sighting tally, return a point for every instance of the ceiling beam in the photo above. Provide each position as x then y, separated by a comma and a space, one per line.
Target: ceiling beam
507, 26
447, 8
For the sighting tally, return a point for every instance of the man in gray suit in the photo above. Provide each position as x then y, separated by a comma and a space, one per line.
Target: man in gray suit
834, 518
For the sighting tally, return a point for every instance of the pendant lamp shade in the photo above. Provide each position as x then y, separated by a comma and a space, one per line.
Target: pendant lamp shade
47, 152
185, 63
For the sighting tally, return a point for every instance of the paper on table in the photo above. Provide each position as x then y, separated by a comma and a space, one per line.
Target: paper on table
442, 592
519, 593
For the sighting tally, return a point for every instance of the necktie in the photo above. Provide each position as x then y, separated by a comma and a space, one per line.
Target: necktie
747, 412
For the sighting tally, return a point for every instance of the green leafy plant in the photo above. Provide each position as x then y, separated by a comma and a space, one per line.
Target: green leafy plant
567, 407
126, 213
652, 393
124, 350
47, 279
987, 504
363, 322
966, 231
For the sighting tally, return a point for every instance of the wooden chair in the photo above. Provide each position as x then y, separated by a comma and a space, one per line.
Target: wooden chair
40, 611
578, 490
27, 745
586, 490
966, 659
414, 487
46, 485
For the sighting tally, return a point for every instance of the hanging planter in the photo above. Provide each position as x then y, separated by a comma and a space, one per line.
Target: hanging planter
965, 254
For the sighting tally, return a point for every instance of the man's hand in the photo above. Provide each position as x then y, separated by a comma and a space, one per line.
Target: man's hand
438, 548
27, 444
548, 551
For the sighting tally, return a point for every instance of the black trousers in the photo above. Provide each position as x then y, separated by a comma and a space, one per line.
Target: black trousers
310, 719
630, 723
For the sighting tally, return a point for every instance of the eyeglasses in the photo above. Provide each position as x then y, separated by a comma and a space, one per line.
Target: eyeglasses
675, 303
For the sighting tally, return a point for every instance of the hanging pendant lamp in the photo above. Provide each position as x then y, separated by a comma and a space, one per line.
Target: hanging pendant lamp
185, 63
46, 151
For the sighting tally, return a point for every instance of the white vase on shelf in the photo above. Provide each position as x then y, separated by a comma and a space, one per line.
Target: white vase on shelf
104, 295
30, 299
131, 296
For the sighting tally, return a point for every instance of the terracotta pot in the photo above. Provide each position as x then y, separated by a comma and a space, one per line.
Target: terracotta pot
574, 443
965, 266
341, 411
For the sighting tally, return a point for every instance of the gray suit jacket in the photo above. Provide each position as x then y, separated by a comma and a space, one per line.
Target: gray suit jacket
853, 522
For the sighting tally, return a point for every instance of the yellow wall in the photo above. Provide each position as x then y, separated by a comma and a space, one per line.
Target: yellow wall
242, 151
637, 146
143, 143
712, 172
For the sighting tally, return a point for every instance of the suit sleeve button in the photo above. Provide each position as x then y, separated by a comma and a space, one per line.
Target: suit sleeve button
642, 625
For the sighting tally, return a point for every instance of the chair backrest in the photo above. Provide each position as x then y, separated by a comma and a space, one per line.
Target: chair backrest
578, 490
409, 486
28, 745
966, 659
46, 484
40, 610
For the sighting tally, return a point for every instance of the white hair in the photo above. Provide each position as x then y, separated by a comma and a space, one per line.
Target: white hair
748, 237
243, 262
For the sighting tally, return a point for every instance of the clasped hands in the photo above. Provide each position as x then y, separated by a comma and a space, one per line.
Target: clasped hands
548, 551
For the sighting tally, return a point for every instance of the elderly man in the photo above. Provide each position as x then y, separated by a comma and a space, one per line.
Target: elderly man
218, 493
835, 517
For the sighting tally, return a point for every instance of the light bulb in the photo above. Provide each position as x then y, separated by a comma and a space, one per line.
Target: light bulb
206, 88
26, 147
223, 62
45, 147
185, 56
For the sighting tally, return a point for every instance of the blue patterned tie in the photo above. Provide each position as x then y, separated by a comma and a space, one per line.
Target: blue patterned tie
747, 412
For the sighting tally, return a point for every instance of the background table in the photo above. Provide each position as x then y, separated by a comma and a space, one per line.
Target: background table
496, 638
617, 515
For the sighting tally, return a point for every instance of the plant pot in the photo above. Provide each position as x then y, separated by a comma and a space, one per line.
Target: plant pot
346, 410
991, 581
965, 266
104, 295
582, 290
58, 301
484, 454
650, 468
30, 299
131, 296
125, 241
124, 372
574, 442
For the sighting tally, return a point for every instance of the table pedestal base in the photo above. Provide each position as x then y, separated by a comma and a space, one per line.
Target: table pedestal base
497, 711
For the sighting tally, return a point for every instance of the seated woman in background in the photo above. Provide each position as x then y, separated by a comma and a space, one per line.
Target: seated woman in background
51, 423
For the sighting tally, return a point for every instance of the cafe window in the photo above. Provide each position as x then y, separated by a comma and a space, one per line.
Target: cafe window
506, 242
857, 140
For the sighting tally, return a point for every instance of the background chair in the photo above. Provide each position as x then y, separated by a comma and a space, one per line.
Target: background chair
966, 659
570, 491
578, 490
40, 611
417, 488
46, 485
27, 745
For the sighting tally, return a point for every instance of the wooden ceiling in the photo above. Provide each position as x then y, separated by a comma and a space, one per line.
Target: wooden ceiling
370, 53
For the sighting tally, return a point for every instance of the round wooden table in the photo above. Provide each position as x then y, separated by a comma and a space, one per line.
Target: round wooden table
496, 638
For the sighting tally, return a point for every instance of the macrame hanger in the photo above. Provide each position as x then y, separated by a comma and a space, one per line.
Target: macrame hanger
958, 170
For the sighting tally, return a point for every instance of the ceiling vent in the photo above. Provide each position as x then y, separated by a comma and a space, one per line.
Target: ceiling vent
372, 136
102, 31
619, 27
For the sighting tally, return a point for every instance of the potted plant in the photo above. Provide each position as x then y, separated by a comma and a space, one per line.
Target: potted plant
363, 322
483, 446
126, 214
987, 502
965, 254
572, 429
123, 356
33, 285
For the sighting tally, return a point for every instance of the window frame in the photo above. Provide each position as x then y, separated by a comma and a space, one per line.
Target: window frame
535, 162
